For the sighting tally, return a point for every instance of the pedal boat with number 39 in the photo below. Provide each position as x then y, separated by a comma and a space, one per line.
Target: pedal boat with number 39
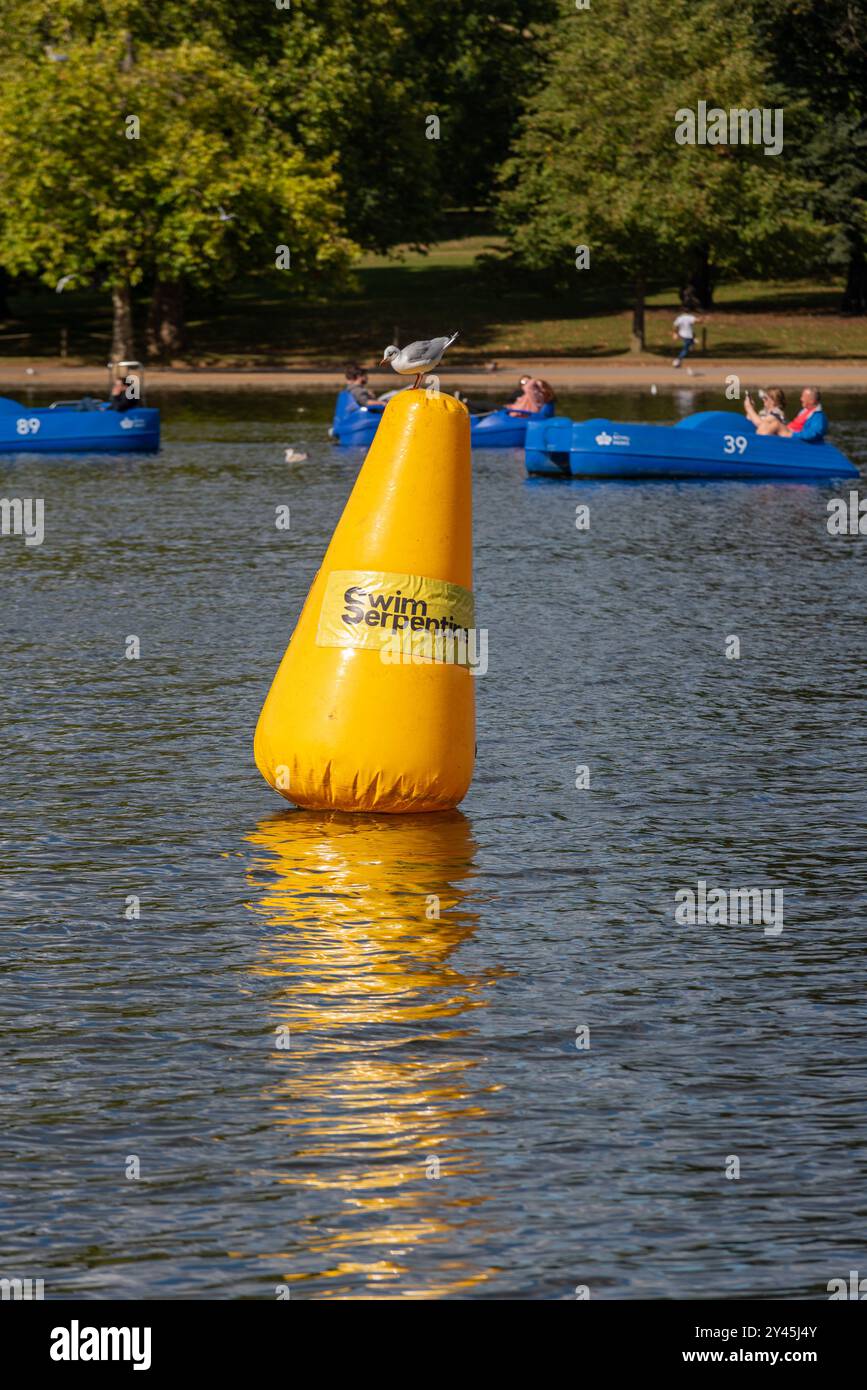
713, 444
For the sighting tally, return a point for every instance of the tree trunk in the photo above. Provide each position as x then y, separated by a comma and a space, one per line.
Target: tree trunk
636, 342
4, 288
127, 62
166, 327
855, 294
699, 288
122, 343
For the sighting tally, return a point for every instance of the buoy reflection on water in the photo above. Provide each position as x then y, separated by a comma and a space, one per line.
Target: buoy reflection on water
375, 1052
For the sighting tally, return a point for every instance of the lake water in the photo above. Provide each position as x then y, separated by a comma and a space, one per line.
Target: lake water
307, 1161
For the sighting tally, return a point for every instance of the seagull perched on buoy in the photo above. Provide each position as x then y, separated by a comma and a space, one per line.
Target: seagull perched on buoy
416, 358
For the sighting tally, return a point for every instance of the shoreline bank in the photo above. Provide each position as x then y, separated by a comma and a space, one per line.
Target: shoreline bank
705, 374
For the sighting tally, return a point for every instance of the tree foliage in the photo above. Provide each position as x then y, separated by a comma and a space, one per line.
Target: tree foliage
307, 126
210, 185
819, 49
596, 160
361, 84
327, 125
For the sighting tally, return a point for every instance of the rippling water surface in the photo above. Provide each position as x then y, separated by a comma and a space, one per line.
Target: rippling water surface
287, 1045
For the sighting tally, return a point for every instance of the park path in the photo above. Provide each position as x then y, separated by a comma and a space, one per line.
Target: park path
705, 374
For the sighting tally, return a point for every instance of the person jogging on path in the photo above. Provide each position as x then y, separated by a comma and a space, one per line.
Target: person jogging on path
684, 330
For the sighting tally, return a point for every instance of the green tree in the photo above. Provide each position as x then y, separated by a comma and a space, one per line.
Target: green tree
486, 61
208, 185
819, 48
361, 84
315, 117
597, 163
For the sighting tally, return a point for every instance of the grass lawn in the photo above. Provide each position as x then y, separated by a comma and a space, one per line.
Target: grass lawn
259, 322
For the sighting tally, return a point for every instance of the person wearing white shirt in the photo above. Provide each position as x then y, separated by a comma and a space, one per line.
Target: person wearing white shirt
684, 330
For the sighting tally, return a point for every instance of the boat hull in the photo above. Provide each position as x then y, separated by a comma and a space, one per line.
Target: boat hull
77, 429
710, 445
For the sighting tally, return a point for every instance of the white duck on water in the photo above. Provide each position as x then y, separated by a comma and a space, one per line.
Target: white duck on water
416, 358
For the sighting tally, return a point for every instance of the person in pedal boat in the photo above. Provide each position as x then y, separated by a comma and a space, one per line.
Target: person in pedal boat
535, 394
811, 422
356, 385
519, 394
771, 419
519, 390
532, 395
809, 425
119, 398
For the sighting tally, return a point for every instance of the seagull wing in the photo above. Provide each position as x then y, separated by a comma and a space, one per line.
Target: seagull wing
421, 351
426, 352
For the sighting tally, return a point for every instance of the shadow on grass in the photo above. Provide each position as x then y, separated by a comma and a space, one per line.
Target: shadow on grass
759, 348
263, 320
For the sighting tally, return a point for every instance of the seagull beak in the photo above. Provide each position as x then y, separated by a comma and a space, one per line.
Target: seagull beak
383, 362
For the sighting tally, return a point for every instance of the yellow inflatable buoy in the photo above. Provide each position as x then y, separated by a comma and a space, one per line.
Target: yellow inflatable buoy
372, 707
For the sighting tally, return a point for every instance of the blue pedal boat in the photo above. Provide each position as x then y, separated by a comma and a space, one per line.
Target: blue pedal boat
356, 425
84, 426
506, 428
711, 444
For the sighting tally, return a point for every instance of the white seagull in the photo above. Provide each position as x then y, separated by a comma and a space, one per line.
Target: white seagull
416, 358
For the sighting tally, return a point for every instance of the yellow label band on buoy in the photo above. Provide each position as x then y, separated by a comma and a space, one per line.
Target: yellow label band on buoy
392, 613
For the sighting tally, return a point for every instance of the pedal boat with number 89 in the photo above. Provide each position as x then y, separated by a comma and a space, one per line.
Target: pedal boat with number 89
85, 426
